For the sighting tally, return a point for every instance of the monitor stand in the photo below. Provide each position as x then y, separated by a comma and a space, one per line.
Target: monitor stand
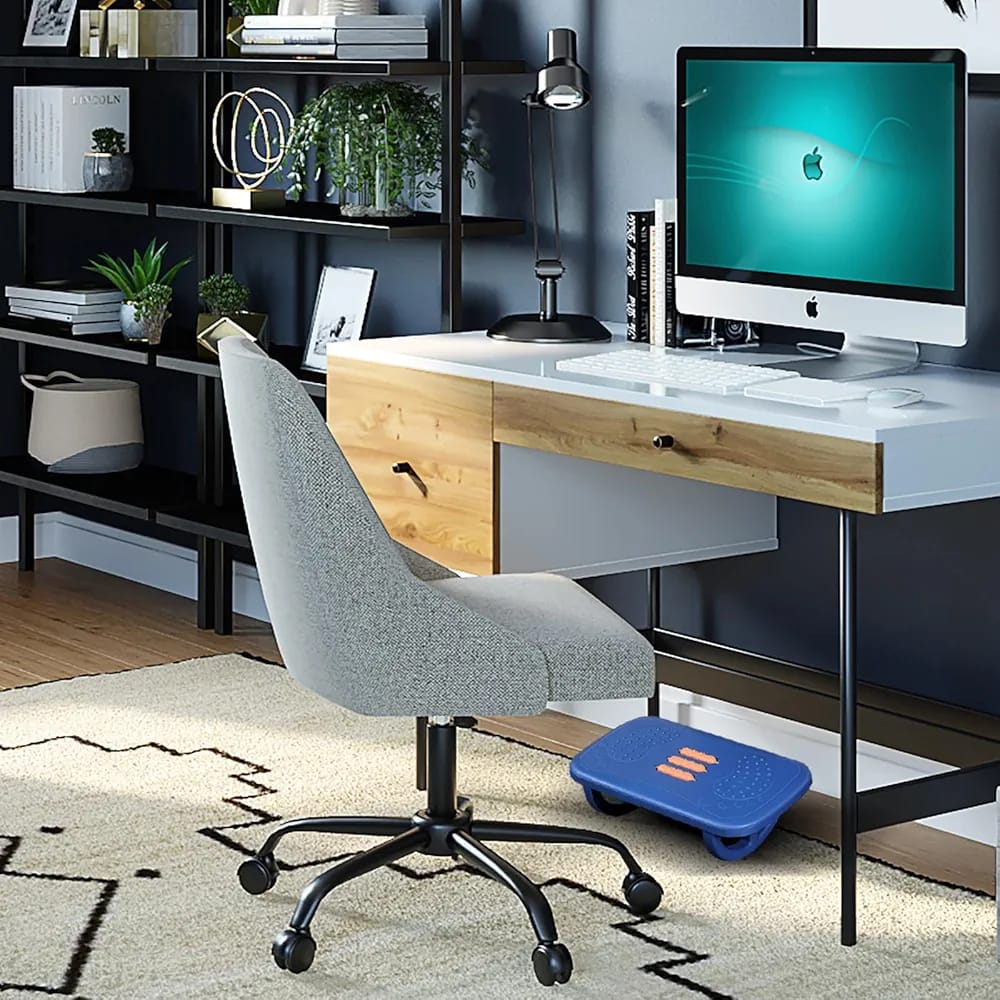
861, 357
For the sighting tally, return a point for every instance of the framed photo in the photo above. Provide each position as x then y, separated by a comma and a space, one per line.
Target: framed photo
345, 293
971, 25
50, 23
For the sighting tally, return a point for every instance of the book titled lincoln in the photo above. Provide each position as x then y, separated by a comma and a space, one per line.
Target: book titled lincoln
637, 265
53, 128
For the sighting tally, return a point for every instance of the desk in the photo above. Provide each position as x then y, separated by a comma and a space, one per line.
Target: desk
462, 413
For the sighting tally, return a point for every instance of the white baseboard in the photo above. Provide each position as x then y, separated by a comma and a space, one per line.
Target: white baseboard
162, 565
173, 568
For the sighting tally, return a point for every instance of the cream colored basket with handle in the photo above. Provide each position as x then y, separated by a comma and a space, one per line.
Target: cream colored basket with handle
84, 425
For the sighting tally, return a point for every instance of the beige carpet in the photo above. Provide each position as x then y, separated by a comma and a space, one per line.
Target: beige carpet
124, 800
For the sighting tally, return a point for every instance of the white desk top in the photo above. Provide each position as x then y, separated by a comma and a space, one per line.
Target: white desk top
941, 450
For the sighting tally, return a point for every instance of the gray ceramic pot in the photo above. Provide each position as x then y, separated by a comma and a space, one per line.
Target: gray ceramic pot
104, 173
132, 328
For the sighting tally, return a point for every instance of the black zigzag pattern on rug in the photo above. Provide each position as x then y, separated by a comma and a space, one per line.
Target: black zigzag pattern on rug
84, 944
247, 775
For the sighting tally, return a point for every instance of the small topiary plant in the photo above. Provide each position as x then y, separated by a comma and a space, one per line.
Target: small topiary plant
152, 303
223, 295
108, 140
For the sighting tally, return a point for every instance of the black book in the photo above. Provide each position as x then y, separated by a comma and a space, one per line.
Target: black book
638, 226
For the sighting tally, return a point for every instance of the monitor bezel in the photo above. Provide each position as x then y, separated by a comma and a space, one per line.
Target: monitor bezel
814, 54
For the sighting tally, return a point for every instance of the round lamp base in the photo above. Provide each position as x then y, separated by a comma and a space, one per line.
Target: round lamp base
569, 328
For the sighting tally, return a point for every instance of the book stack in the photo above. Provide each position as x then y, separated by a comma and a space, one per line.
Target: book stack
53, 128
650, 313
354, 37
78, 309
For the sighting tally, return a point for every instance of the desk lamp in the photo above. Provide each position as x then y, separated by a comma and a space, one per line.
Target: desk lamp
562, 86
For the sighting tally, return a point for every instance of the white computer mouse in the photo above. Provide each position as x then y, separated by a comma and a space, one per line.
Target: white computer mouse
891, 398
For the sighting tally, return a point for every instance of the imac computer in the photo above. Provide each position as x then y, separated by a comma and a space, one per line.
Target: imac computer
825, 189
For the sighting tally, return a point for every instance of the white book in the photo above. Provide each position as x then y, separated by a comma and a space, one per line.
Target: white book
665, 217
18, 138
79, 329
65, 314
280, 36
327, 51
79, 112
302, 21
376, 52
64, 293
381, 36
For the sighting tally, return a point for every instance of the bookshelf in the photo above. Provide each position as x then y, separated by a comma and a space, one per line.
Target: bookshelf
206, 507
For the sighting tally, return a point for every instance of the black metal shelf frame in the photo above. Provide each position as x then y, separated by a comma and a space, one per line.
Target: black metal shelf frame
207, 506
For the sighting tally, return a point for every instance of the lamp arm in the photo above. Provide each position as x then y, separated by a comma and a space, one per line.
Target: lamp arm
550, 269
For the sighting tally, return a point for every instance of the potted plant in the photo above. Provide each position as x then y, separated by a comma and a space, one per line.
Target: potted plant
107, 167
151, 305
224, 297
133, 279
379, 145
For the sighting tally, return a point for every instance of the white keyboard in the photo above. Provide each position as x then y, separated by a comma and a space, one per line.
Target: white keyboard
697, 374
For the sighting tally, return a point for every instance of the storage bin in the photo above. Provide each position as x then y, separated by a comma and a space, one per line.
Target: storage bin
84, 425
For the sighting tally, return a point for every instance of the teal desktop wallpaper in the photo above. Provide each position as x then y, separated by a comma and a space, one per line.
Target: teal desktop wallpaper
834, 170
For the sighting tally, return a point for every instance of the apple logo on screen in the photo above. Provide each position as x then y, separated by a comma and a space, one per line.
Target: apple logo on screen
811, 165
812, 308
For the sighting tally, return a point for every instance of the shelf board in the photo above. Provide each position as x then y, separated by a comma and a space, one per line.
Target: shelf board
222, 524
119, 204
43, 61
42, 334
315, 66
326, 220
138, 493
187, 359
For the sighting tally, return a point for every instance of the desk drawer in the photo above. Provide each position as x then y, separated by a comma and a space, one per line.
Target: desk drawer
811, 467
442, 426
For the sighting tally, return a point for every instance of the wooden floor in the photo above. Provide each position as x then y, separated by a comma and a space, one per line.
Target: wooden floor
64, 620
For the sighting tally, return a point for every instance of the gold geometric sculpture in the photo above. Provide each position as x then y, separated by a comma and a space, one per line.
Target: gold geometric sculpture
269, 138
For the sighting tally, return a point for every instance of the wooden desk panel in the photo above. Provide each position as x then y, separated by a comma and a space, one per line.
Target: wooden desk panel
835, 472
442, 426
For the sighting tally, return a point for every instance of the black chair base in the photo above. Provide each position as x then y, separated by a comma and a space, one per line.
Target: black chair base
446, 828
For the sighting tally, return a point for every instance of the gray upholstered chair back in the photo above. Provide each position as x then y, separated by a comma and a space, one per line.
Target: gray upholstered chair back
352, 620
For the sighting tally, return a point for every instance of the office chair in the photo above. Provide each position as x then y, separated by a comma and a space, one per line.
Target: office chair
382, 631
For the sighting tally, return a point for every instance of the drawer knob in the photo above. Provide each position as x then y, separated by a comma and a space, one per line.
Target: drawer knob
663, 441
405, 469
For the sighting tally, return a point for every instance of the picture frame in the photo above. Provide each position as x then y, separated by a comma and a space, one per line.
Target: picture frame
970, 25
50, 23
341, 311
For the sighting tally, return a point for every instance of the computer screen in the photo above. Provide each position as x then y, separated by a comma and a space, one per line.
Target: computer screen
824, 170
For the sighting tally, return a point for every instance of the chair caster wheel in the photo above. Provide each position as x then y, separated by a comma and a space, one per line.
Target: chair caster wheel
293, 950
257, 875
553, 963
642, 893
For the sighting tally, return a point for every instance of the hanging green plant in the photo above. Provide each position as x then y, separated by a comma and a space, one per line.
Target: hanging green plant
378, 146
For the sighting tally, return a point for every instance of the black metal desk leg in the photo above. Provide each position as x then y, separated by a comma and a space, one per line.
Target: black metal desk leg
848, 728
25, 530
206, 583
653, 591
223, 589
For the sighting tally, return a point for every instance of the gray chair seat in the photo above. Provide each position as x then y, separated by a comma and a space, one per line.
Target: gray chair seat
589, 651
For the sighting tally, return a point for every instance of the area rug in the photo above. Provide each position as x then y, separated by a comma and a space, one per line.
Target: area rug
128, 800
